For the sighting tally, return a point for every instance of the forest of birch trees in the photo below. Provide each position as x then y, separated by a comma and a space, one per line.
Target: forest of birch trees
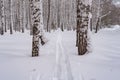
15, 15
38, 15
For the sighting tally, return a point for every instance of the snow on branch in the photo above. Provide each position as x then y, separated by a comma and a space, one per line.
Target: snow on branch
105, 15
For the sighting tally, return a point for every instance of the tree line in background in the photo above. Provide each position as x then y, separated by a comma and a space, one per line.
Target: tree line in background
104, 14
15, 15
36, 15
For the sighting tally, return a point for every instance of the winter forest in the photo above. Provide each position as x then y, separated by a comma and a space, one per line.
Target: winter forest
59, 39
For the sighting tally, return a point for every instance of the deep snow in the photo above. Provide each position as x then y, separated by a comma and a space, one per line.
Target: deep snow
103, 63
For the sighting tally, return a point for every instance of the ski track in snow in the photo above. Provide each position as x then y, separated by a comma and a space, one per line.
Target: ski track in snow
58, 58
62, 68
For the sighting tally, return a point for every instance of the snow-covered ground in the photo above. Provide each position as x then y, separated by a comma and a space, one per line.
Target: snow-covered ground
58, 58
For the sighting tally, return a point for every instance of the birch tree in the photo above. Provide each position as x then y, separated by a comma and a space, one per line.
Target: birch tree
83, 8
101, 10
36, 15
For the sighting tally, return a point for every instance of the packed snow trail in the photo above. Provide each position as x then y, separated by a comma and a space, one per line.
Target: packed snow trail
62, 68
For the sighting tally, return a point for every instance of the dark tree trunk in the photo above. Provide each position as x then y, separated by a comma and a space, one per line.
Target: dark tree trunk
10, 17
58, 13
5, 23
97, 25
77, 37
48, 15
23, 30
1, 17
62, 27
91, 24
30, 19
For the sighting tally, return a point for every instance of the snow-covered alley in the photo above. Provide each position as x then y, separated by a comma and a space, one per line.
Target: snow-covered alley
102, 63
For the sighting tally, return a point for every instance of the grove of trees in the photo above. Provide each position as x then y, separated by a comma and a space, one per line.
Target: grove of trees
39, 15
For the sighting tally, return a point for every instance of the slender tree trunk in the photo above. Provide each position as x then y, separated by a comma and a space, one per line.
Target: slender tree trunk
10, 17
91, 24
97, 25
30, 18
26, 5
2, 17
58, 14
5, 24
5, 27
18, 15
22, 15
49, 1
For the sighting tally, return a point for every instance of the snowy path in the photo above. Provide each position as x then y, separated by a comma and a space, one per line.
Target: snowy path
103, 63
63, 67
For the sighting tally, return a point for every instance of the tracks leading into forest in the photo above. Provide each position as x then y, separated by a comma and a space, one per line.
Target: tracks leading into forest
63, 68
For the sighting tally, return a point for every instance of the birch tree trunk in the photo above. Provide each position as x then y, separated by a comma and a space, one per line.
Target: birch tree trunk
82, 26
36, 15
